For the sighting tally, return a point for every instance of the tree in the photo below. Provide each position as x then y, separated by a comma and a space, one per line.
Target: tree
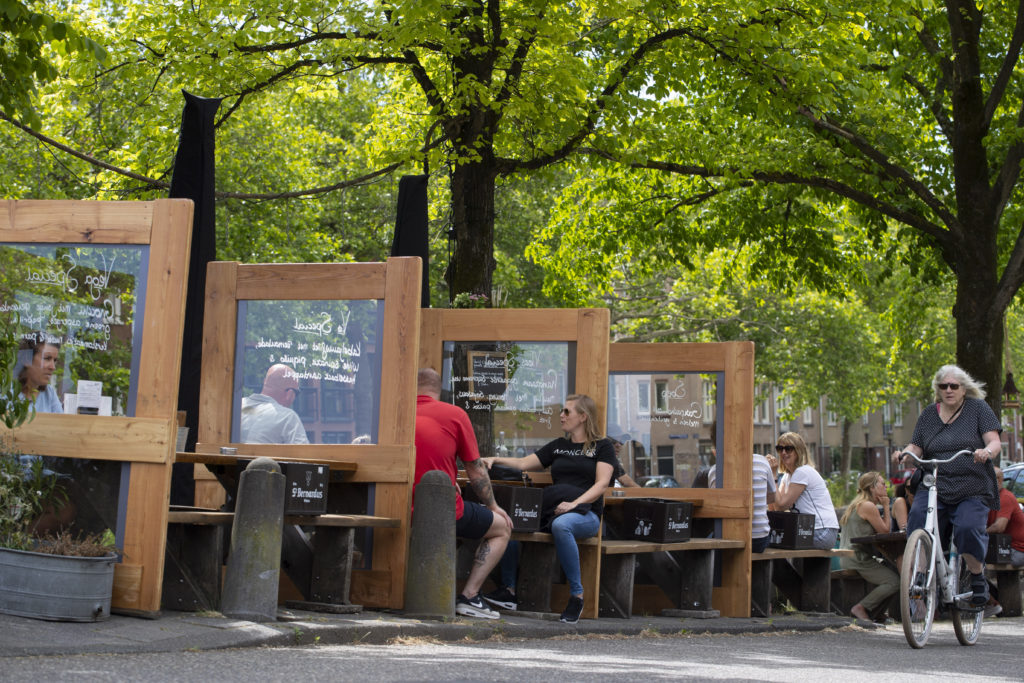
908, 114
24, 36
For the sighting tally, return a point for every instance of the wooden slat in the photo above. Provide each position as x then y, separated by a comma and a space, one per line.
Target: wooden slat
786, 554
133, 439
507, 324
218, 459
400, 349
217, 517
592, 329
76, 222
219, 329
163, 322
386, 464
609, 547
312, 281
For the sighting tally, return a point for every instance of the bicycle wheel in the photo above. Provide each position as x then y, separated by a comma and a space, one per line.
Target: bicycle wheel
966, 622
917, 589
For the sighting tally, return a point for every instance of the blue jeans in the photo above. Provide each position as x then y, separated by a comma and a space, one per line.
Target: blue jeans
968, 517
825, 539
567, 529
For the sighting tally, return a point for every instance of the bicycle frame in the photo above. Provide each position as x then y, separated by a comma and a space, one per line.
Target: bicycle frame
943, 568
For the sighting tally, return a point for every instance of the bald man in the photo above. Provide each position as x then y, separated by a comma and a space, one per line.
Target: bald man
267, 417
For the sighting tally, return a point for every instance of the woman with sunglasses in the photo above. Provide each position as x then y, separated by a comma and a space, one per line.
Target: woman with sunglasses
960, 420
802, 489
582, 464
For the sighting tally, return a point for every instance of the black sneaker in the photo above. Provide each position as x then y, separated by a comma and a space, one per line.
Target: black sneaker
502, 598
474, 607
573, 610
980, 587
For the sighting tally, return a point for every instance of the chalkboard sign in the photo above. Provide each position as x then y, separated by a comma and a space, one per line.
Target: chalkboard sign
510, 388
326, 352
87, 300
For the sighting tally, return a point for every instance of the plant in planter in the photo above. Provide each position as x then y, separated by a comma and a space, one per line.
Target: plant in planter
56, 577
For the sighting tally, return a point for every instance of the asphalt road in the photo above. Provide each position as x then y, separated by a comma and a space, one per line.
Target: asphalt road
850, 654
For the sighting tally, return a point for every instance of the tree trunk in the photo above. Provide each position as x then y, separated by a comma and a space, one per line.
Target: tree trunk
473, 223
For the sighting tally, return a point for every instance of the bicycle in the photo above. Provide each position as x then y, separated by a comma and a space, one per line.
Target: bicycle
927, 573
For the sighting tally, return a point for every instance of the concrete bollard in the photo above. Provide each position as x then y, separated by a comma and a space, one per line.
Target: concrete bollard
254, 560
430, 574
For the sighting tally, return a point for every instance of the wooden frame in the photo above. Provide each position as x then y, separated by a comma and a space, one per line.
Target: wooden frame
588, 327
732, 503
146, 440
390, 462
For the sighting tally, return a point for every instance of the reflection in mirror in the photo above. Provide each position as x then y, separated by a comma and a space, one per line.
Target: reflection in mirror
77, 308
512, 391
307, 372
666, 424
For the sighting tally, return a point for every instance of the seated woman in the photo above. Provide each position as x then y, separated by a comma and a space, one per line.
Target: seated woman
903, 500
867, 514
803, 490
581, 465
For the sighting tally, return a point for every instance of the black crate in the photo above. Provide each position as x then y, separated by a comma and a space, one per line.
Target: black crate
791, 530
522, 503
305, 490
1000, 550
656, 520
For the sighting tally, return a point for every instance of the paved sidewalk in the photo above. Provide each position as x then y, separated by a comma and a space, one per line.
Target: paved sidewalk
185, 631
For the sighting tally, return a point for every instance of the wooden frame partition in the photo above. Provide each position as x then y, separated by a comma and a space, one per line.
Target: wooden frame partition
389, 463
587, 327
147, 439
733, 502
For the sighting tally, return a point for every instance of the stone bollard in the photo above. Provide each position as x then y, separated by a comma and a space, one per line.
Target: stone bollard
430, 574
254, 561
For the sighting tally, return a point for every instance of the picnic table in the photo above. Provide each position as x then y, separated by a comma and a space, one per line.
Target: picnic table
889, 545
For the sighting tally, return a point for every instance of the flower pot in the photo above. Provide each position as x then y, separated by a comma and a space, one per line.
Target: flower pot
56, 587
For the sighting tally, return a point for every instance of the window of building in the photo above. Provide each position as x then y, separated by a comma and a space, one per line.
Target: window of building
643, 397
808, 416
708, 391
897, 414
660, 398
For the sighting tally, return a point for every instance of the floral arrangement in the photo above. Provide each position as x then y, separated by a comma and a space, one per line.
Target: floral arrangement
467, 300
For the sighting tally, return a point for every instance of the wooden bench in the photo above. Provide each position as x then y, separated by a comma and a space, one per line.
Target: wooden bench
539, 568
322, 571
1007, 578
804, 577
683, 570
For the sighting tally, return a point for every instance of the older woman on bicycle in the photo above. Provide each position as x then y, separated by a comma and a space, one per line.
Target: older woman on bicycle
960, 420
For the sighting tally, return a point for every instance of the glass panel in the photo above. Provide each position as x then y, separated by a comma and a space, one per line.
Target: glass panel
81, 306
676, 445
89, 499
511, 390
307, 372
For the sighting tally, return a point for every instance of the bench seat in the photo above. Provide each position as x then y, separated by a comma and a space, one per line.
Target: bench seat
803, 576
322, 571
1007, 578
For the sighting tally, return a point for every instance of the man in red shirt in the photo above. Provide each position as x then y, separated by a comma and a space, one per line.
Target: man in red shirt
444, 433
1008, 520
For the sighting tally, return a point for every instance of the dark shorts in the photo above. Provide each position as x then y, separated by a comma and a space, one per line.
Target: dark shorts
476, 520
757, 545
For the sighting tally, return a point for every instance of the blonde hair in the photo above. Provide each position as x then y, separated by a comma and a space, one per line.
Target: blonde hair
586, 407
864, 484
803, 456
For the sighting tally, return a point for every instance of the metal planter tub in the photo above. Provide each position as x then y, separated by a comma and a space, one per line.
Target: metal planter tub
56, 587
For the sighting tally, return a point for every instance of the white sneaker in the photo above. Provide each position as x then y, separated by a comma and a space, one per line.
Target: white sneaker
993, 609
474, 607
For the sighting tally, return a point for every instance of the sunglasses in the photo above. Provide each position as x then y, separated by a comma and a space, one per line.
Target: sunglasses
948, 385
566, 412
297, 391
787, 449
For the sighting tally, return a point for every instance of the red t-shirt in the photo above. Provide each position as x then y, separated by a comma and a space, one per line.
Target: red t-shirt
1009, 509
443, 432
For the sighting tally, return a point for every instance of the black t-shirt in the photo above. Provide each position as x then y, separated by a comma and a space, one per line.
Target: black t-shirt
963, 478
569, 465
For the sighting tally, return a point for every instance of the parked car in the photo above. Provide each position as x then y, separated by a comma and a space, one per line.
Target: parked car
1013, 480
659, 481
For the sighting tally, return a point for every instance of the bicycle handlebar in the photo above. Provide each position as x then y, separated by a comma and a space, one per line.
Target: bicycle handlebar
935, 461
